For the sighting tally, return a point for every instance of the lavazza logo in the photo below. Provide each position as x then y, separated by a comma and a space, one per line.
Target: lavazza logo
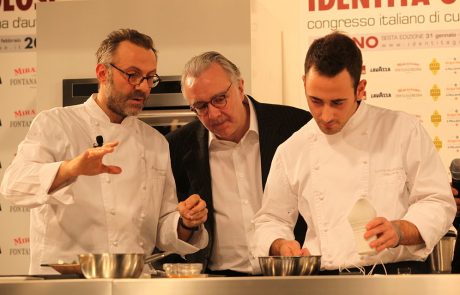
380, 69
381, 95
24, 77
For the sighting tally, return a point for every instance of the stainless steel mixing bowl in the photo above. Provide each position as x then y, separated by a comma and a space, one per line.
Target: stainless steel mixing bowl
289, 265
107, 265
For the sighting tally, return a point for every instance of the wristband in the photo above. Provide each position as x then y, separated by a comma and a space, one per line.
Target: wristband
181, 223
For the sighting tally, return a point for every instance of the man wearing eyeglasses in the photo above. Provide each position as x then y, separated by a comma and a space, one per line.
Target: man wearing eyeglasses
225, 156
87, 196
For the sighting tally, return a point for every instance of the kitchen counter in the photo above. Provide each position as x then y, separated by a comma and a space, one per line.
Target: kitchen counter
325, 285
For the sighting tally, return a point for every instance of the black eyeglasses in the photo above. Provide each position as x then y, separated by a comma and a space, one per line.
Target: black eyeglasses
136, 79
219, 101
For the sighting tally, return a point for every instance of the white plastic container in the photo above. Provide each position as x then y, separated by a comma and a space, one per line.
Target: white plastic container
361, 213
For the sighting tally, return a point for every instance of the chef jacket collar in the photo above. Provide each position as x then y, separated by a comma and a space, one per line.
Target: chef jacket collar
98, 114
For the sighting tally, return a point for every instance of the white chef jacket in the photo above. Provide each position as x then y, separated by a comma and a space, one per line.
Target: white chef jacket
382, 155
131, 212
236, 180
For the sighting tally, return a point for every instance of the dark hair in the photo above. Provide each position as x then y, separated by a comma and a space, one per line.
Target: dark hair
333, 53
108, 46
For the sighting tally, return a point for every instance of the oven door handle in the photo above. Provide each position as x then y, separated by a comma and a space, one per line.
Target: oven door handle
166, 114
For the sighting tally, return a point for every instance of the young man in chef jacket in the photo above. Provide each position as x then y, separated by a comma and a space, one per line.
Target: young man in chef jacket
96, 178
352, 152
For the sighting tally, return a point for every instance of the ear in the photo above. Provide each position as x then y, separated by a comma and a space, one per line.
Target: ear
241, 88
304, 80
102, 73
361, 90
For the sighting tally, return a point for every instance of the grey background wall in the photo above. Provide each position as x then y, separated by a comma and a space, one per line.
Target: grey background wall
69, 34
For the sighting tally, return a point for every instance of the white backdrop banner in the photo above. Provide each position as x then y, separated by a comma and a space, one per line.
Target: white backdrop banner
412, 63
411, 57
18, 89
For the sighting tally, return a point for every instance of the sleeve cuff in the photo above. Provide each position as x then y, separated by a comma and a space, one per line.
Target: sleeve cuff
61, 195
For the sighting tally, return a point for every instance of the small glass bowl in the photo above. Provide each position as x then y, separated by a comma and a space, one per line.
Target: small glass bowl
183, 270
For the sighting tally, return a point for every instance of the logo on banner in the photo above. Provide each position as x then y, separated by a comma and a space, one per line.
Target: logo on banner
408, 93
18, 250
436, 118
19, 209
381, 95
24, 77
435, 92
24, 71
380, 69
435, 66
23, 114
437, 143
453, 91
11, 5
454, 143
408, 67
20, 123
453, 119
366, 41
453, 65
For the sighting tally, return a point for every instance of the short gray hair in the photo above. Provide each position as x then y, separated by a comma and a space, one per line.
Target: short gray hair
198, 64
108, 46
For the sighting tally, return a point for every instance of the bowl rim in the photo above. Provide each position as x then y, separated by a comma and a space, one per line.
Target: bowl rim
290, 257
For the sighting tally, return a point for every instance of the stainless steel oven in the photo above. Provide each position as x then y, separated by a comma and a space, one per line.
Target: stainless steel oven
165, 110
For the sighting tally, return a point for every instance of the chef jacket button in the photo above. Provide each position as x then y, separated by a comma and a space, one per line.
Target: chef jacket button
115, 243
142, 215
96, 123
245, 202
364, 162
144, 187
107, 180
112, 212
141, 244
